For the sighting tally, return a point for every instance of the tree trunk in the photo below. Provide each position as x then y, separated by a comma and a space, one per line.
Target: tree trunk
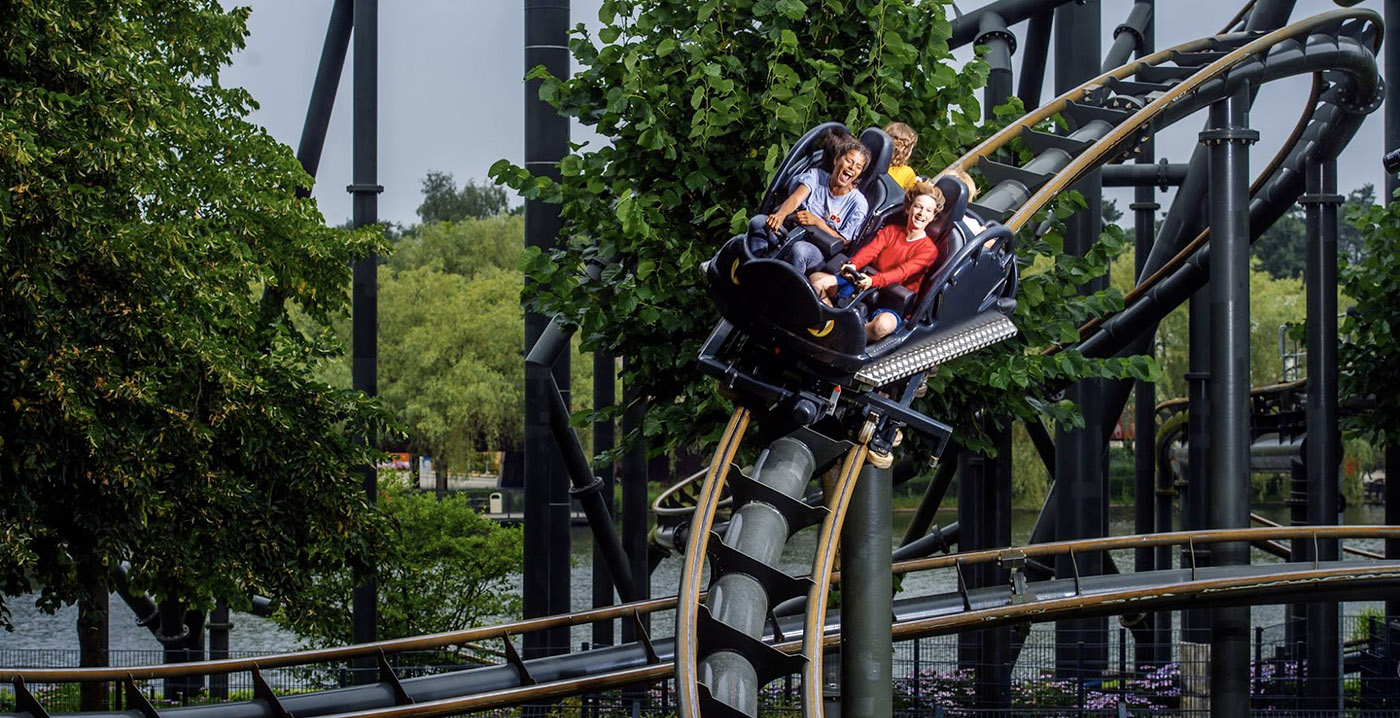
93, 639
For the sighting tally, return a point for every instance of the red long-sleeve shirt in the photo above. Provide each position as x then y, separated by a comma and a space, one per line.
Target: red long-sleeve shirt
895, 259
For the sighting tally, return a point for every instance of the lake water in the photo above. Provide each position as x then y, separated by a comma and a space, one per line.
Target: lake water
37, 630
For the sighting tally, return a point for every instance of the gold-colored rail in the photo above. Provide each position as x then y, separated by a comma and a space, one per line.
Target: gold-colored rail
688, 606
823, 564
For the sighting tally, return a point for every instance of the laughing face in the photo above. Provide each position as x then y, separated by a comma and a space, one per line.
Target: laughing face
846, 171
922, 211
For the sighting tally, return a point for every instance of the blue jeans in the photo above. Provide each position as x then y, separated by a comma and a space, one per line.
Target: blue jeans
763, 242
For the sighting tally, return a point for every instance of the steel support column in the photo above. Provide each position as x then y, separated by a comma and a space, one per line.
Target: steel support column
1323, 453
604, 438
545, 589
219, 625
1081, 509
1391, 49
634, 498
365, 291
322, 102
866, 599
1033, 60
984, 522
1000, 44
1195, 624
1228, 141
1144, 209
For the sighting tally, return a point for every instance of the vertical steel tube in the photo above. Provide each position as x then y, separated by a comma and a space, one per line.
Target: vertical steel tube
1195, 625
365, 291
1296, 614
1391, 48
547, 515
1081, 509
634, 498
218, 625
604, 438
1228, 140
1033, 60
1323, 442
1129, 36
866, 599
1000, 44
1144, 208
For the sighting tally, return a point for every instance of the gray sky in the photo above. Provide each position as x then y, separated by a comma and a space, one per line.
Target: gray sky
452, 99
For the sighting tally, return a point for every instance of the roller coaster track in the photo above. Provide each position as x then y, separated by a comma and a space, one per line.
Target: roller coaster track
517, 682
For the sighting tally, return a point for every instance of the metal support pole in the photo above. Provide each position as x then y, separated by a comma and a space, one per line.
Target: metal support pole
365, 291
634, 498
933, 496
1195, 625
1391, 49
545, 586
1000, 44
1228, 140
984, 511
322, 102
866, 599
219, 626
1296, 614
1144, 209
1323, 455
1081, 510
604, 438
1033, 61
1130, 36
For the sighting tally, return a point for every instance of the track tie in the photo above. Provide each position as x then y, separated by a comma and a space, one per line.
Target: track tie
1039, 142
1139, 89
137, 700
998, 172
387, 675
1163, 74
1196, 59
712, 707
779, 585
768, 662
798, 513
1080, 114
263, 692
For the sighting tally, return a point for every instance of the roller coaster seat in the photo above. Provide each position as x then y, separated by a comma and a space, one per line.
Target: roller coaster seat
947, 232
874, 182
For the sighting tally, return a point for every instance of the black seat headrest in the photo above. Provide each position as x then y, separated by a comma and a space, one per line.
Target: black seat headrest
954, 205
881, 149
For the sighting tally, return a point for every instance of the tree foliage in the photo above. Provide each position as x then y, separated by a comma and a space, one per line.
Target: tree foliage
1282, 248
1367, 356
153, 408
444, 202
442, 567
701, 100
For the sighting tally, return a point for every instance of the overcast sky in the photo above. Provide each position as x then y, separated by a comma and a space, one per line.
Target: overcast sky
452, 98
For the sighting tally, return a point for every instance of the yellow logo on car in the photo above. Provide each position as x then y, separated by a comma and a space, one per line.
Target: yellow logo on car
825, 330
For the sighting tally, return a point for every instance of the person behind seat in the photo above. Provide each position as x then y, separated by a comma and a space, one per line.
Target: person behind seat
970, 224
822, 201
903, 137
899, 253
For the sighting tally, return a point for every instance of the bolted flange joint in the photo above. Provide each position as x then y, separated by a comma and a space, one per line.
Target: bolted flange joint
1234, 135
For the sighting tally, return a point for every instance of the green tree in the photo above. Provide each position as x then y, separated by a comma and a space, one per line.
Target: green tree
700, 100
155, 405
442, 567
451, 354
1282, 249
444, 202
1367, 356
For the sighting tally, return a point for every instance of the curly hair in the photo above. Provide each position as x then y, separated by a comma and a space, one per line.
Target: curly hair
904, 138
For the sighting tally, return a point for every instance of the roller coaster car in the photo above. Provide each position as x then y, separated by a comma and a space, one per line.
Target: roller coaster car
965, 299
